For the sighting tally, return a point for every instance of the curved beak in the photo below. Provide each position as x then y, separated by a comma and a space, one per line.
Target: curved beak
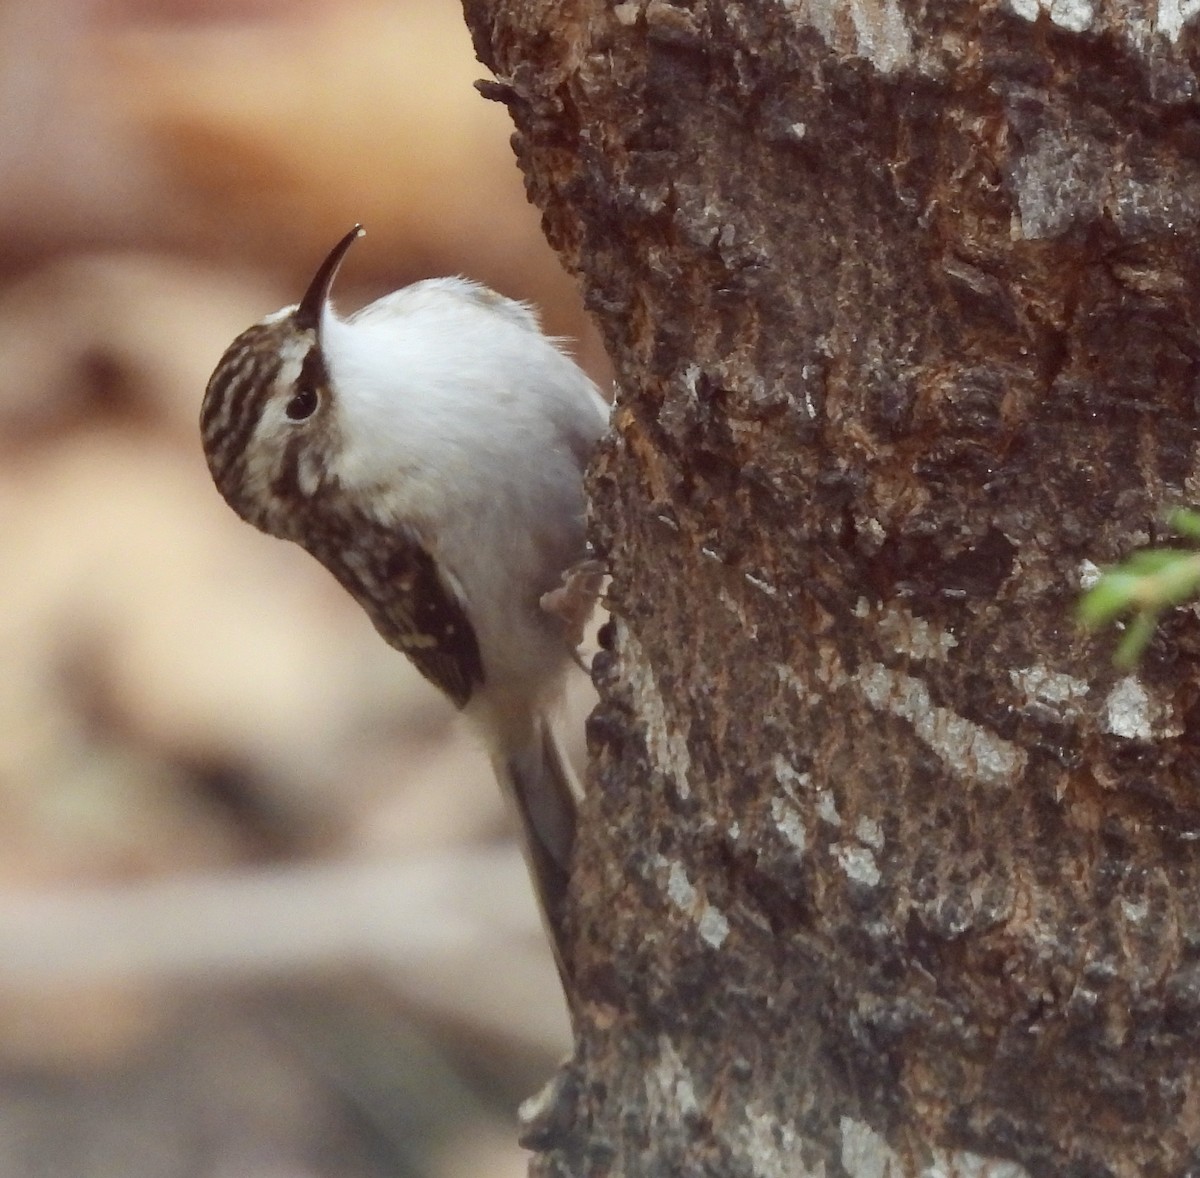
308, 313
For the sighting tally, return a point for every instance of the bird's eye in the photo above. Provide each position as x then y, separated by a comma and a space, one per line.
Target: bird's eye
302, 405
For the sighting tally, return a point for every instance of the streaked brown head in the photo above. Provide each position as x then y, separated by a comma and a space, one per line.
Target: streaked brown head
266, 423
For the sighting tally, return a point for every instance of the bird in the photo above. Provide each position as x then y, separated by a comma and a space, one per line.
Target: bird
430, 451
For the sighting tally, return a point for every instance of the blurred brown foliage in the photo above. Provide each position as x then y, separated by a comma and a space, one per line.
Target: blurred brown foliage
259, 915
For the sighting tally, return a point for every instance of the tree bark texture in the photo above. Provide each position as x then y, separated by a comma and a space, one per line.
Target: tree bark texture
884, 869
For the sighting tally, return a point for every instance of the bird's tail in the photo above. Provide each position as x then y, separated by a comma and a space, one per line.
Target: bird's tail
543, 787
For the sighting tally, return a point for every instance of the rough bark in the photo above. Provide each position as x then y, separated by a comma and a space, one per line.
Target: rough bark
884, 868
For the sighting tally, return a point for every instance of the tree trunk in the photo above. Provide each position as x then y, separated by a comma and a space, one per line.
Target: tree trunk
884, 869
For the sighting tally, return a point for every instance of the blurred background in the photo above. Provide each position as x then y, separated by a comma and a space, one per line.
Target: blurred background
261, 915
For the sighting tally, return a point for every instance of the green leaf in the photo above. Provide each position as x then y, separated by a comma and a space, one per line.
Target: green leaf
1152, 560
1185, 522
1176, 582
1113, 594
1136, 638
1146, 583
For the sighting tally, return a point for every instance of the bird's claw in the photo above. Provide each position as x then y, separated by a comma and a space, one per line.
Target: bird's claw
573, 601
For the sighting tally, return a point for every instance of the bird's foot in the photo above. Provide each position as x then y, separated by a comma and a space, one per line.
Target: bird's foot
573, 601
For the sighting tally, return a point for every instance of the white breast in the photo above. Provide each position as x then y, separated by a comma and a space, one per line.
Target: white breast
458, 416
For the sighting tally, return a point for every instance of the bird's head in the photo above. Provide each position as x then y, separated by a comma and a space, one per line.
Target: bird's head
268, 423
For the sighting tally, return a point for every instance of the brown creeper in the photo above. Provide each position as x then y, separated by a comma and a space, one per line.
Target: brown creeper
429, 451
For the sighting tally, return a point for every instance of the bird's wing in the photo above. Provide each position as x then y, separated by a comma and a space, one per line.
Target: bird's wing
414, 606
427, 620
